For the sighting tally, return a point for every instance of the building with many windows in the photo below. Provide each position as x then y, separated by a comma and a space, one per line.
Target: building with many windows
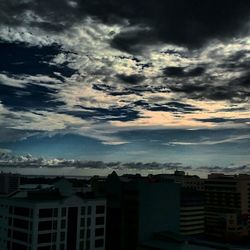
192, 212
9, 182
228, 206
51, 219
137, 208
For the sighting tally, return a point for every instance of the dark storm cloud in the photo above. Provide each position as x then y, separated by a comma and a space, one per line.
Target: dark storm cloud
229, 169
32, 60
30, 97
129, 90
183, 72
223, 120
131, 79
236, 90
110, 114
131, 41
237, 61
22, 62
189, 23
155, 166
175, 107
233, 109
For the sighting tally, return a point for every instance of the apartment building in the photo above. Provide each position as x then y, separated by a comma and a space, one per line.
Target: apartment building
50, 219
9, 182
228, 206
192, 212
192, 202
137, 208
185, 180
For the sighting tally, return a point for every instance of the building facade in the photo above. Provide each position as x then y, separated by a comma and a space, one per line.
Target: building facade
48, 220
192, 212
9, 182
228, 206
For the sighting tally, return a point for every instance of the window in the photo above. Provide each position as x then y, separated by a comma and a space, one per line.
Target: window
88, 222
99, 232
88, 233
44, 238
62, 247
63, 211
44, 248
55, 224
89, 210
19, 223
99, 243
99, 221
54, 237
100, 209
81, 245
63, 223
8, 244
10, 221
82, 233
17, 235
88, 245
44, 225
10, 209
62, 236
45, 213
22, 211
82, 210
55, 212
18, 246
82, 223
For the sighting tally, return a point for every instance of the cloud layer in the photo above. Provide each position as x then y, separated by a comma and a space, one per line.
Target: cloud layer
99, 68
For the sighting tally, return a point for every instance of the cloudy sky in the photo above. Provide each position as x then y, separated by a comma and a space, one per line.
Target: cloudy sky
126, 80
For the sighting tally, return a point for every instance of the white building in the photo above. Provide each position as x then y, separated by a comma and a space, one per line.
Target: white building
51, 219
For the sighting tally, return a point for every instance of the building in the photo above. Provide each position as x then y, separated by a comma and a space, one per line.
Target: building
136, 208
51, 219
171, 241
192, 202
192, 212
187, 181
228, 206
9, 182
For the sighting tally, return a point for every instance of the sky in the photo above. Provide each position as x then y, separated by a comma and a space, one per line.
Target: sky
125, 82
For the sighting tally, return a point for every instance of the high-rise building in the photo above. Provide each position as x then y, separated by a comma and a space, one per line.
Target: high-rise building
228, 206
192, 202
50, 219
192, 212
186, 181
137, 208
9, 182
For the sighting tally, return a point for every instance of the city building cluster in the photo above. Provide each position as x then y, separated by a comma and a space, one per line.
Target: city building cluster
128, 212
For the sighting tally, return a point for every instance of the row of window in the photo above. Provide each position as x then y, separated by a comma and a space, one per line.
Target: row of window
50, 237
50, 212
49, 225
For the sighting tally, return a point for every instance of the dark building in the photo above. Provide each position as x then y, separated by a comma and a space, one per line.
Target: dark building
137, 208
192, 212
9, 182
228, 206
